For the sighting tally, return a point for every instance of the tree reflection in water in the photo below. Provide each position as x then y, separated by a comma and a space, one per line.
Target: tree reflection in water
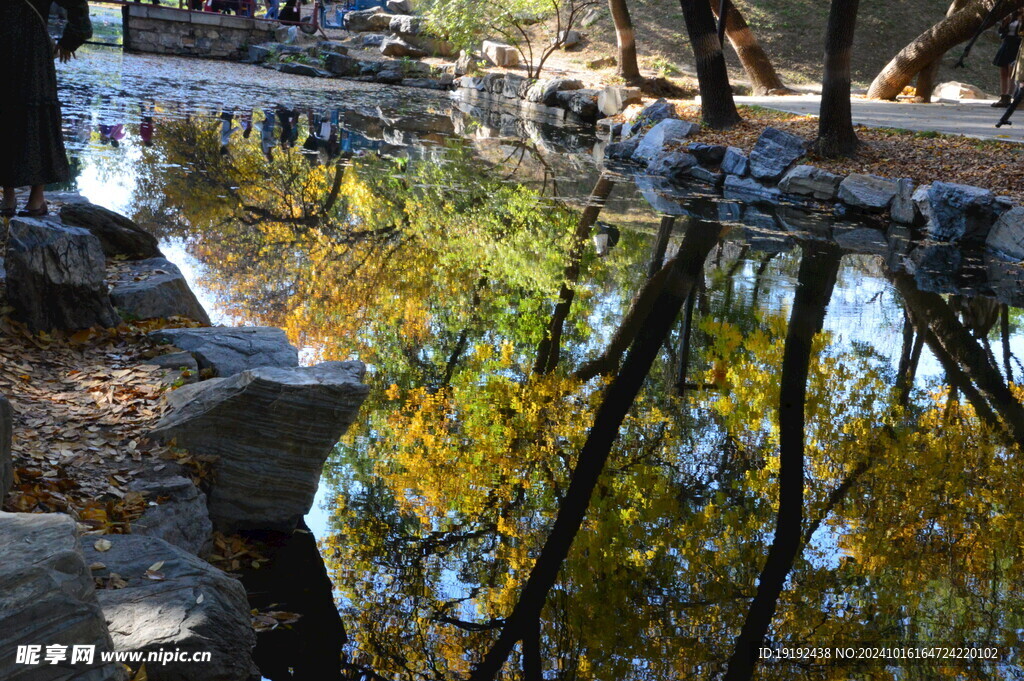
811, 485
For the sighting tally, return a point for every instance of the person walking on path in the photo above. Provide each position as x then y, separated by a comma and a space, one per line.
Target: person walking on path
1006, 57
33, 154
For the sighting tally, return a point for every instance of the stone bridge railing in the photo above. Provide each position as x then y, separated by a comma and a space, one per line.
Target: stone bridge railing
161, 30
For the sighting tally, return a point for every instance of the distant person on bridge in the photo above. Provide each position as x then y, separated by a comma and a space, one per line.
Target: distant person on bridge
33, 154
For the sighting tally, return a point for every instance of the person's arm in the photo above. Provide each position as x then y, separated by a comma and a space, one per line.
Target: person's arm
78, 28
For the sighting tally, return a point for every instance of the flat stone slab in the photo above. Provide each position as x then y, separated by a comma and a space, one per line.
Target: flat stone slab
48, 597
271, 430
171, 600
118, 235
156, 289
229, 350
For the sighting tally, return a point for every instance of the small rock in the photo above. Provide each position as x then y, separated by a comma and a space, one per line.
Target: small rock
398, 6
181, 517
709, 155
582, 103
569, 39
397, 47
500, 54
735, 162
807, 180
956, 92
6, 465
902, 208
156, 289
373, 39
867, 192
1007, 234
464, 64
960, 212
118, 235
55, 277
546, 91
332, 46
667, 131
49, 598
773, 154
736, 187
407, 24
923, 209
175, 601
229, 350
672, 165
652, 114
602, 62
271, 430
593, 15
298, 69
389, 77
515, 86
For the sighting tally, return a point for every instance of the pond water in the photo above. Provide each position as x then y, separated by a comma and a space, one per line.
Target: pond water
613, 423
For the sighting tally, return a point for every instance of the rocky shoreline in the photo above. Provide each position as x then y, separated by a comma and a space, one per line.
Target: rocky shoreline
236, 399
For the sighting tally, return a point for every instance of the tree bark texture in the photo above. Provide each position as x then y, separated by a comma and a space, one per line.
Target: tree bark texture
763, 78
926, 76
836, 136
718, 110
626, 39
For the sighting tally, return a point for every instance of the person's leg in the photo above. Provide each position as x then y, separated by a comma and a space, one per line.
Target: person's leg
36, 198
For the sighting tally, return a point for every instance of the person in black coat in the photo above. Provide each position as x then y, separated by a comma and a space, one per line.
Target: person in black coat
33, 153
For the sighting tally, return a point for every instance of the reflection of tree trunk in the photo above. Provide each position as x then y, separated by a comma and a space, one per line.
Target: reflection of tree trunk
661, 245
756, 63
631, 324
463, 340
684, 352
617, 401
1004, 333
931, 312
818, 269
758, 277
909, 359
626, 38
550, 347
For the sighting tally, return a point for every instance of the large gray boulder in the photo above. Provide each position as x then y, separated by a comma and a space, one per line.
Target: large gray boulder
398, 6
367, 20
6, 465
55, 277
271, 431
665, 132
395, 46
156, 289
1007, 235
172, 600
622, 151
342, 64
652, 114
118, 235
959, 212
47, 597
546, 91
735, 162
229, 350
867, 192
747, 188
179, 517
673, 165
773, 154
807, 180
615, 98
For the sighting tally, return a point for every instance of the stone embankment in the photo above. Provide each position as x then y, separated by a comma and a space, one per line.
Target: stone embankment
164, 30
265, 424
656, 145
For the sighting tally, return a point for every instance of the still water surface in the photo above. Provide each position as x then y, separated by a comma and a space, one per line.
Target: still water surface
455, 255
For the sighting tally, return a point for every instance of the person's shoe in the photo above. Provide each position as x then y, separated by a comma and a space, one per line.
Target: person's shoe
34, 212
1002, 102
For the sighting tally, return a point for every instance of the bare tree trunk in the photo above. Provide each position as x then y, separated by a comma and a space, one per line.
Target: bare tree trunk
755, 60
835, 124
932, 44
626, 38
926, 76
717, 108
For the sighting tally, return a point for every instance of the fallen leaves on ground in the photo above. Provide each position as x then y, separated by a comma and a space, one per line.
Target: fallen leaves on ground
232, 553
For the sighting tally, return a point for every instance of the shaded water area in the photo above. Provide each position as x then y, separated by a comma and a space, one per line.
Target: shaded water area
613, 426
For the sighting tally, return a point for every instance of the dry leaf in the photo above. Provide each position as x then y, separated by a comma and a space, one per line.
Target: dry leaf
102, 545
